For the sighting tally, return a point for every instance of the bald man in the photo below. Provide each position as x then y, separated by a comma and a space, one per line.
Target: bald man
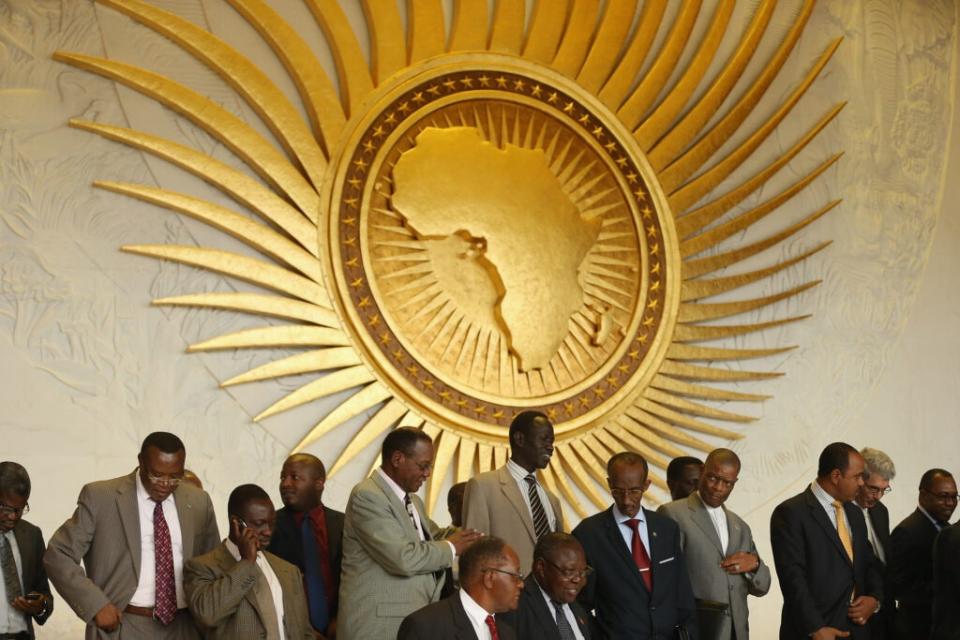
309, 535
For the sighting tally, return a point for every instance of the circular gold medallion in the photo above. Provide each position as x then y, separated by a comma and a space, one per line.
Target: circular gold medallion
498, 243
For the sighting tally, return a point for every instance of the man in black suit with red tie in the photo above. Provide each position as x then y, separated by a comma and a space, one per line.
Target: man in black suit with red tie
639, 587
309, 535
490, 583
910, 570
548, 608
829, 577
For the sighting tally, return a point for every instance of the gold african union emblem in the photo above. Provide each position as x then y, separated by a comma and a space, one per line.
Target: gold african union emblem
518, 212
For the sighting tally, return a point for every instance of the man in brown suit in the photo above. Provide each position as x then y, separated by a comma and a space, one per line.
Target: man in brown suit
510, 502
133, 534
239, 590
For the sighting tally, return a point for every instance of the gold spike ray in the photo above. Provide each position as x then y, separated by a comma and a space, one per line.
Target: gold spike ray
698, 311
311, 361
274, 337
257, 303
330, 383
442, 459
352, 71
381, 421
558, 473
700, 333
369, 396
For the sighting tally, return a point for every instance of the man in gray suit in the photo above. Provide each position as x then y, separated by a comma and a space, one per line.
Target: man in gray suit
722, 559
510, 502
133, 535
393, 562
239, 590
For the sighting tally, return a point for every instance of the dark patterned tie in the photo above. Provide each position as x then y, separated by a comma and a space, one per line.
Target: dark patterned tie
492, 625
540, 523
421, 531
165, 599
563, 625
640, 556
316, 589
11, 580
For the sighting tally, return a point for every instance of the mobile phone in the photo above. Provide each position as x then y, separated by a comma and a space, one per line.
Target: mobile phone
33, 595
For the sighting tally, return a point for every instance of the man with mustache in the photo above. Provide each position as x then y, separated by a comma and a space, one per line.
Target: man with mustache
309, 535
393, 561
510, 502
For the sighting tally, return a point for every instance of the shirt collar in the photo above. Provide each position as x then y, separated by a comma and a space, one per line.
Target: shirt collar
397, 489
822, 496
713, 511
620, 518
473, 610
929, 517
519, 472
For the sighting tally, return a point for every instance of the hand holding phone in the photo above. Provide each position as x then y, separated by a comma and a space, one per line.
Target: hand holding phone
248, 540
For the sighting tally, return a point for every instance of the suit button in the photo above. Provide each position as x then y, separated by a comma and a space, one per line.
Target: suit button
653, 608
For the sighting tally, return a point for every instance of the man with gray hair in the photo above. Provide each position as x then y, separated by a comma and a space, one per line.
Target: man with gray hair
878, 472
24, 591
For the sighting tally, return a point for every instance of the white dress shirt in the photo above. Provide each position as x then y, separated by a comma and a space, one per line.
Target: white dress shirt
401, 496
719, 519
477, 616
627, 532
145, 595
565, 609
520, 475
11, 620
276, 591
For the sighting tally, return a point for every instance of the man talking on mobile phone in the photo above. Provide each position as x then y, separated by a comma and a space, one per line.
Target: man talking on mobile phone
239, 590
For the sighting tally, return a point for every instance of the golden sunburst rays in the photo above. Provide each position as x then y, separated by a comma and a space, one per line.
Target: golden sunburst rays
680, 118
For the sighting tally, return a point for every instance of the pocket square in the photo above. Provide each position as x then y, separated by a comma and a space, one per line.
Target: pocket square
670, 559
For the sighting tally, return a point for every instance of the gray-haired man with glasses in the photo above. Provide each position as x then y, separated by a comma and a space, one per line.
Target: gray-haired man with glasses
548, 607
24, 592
133, 534
879, 471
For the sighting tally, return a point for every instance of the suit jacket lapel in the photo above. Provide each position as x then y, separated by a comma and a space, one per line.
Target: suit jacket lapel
508, 485
185, 516
702, 519
27, 559
130, 518
397, 507
225, 562
660, 548
735, 540
820, 516
615, 538
464, 630
284, 578
545, 617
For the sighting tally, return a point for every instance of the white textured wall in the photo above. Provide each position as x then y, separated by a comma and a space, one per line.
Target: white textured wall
89, 367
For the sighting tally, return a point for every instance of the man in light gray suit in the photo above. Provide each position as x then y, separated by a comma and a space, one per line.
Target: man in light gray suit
133, 535
239, 590
510, 502
721, 557
393, 563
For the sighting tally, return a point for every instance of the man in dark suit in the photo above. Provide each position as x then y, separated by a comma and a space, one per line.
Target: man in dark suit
876, 484
640, 587
238, 590
683, 476
24, 592
946, 585
828, 575
306, 528
910, 570
548, 608
490, 584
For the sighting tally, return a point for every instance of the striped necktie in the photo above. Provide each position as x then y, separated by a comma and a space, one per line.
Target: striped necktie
11, 579
563, 625
540, 523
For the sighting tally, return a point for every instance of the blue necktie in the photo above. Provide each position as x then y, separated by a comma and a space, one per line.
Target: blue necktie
316, 590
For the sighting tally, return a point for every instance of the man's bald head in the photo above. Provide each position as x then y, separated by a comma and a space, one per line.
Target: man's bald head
301, 482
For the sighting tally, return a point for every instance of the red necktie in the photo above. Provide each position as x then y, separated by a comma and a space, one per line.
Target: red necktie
640, 554
492, 625
165, 599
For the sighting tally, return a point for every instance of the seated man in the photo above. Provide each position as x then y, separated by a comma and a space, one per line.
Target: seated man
240, 591
548, 607
490, 584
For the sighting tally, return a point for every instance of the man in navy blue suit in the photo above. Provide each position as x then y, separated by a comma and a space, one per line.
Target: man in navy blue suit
639, 587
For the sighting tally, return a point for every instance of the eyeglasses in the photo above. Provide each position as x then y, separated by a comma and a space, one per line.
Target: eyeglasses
16, 512
570, 574
516, 576
636, 492
165, 480
878, 491
943, 497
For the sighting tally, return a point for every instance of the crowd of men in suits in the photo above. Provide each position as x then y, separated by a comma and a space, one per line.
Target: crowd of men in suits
142, 556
